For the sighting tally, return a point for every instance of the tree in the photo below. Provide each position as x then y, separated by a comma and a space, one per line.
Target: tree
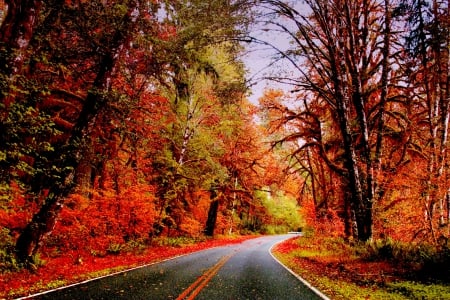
339, 50
427, 48
103, 38
206, 80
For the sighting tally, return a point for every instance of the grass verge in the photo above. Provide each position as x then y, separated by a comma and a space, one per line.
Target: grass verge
343, 272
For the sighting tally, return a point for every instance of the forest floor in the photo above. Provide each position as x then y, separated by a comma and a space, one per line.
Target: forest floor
62, 270
334, 268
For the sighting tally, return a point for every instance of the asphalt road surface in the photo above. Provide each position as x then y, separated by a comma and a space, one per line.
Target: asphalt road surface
242, 271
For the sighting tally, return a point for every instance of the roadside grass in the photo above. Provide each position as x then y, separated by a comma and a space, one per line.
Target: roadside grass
342, 271
61, 269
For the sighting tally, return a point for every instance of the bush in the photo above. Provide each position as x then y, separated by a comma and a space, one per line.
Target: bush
428, 261
437, 266
275, 229
8, 261
177, 241
114, 248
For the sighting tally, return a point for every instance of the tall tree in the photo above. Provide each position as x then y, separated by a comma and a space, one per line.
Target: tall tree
427, 44
104, 37
338, 51
206, 78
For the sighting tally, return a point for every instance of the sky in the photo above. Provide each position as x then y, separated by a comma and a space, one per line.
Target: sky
259, 58
258, 63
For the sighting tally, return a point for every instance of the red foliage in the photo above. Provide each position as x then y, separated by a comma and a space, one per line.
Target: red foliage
325, 222
287, 246
104, 221
16, 212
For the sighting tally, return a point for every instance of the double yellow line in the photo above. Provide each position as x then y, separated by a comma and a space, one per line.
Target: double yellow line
194, 289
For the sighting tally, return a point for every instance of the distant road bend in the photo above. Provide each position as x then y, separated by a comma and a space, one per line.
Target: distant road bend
242, 271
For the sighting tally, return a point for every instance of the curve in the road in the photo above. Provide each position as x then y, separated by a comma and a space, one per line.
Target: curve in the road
302, 280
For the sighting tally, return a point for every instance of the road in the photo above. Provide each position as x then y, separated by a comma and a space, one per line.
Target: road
242, 271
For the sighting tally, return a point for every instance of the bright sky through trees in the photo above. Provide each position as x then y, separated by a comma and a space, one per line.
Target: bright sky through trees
262, 58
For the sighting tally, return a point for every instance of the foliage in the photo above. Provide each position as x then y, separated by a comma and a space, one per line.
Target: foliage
125, 124
8, 261
423, 259
282, 213
367, 124
178, 241
414, 290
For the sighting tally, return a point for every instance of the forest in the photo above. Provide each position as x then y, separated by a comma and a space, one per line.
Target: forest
128, 121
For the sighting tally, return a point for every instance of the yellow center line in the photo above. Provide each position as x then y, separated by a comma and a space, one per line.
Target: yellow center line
194, 289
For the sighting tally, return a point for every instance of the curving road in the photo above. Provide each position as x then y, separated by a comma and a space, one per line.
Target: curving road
243, 271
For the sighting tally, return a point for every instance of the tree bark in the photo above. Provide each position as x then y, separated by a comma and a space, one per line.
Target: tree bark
212, 214
16, 32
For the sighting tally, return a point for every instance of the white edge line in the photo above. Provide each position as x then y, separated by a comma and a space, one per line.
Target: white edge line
309, 285
108, 275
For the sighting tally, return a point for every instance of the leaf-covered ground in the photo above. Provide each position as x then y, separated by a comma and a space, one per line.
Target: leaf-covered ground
340, 273
75, 267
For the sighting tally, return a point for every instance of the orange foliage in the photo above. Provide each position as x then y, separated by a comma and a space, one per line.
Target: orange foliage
16, 212
105, 221
325, 222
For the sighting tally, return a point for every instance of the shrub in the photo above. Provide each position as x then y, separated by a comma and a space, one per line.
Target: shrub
179, 241
425, 259
114, 248
8, 261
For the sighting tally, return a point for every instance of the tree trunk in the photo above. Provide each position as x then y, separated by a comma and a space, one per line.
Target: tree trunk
362, 208
84, 179
212, 214
42, 224
16, 32
44, 221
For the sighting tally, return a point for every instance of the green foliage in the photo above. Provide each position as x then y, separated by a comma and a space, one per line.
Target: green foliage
55, 284
307, 231
135, 246
37, 261
415, 290
25, 150
114, 248
283, 213
8, 261
342, 259
180, 241
423, 259
346, 290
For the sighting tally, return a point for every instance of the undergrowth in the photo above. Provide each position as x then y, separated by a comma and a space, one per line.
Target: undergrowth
380, 269
425, 261
8, 262
180, 241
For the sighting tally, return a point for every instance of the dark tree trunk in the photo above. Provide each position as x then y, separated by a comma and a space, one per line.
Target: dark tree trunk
16, 32
348, 220
85, 177
41, 225
212, 215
